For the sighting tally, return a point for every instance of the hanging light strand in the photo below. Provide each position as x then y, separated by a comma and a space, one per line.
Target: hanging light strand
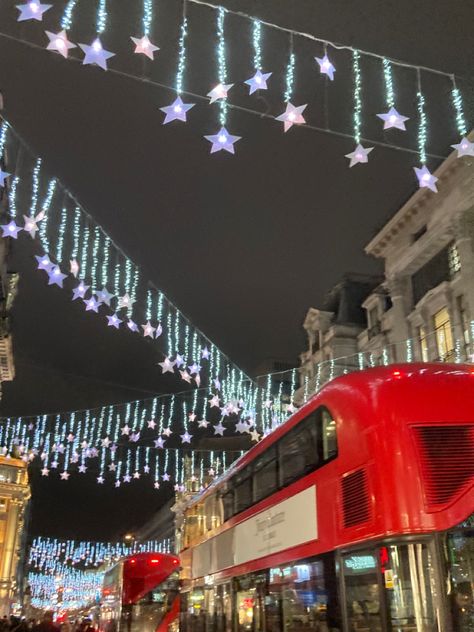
388, 78
257, 44
357, 95
221, 61
183, 33
147, 16
422, 123
101, 16
459, 109
66, 20
290, 73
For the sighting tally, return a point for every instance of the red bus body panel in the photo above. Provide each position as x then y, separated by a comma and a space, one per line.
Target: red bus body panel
145, 571
380, 415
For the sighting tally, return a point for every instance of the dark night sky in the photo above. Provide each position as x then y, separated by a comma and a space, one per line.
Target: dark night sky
244, 245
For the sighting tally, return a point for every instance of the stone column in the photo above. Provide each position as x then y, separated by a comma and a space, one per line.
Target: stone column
398, 288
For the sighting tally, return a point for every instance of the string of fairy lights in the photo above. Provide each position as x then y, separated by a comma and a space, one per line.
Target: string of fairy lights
222, 140
79, 257
68, 574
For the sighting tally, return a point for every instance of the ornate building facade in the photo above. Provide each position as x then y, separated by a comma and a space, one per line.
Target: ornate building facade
14, 497
423, 309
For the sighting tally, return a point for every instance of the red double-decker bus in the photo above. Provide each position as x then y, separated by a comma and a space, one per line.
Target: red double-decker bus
141, 594
356, 515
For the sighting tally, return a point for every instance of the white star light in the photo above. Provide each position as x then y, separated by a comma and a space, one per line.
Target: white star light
326, 67
185, 376
44, 262
214, 401
11, 230
151, 424
158, 331
105, 442
254, 435
32, 10
56, 277
359, 155
125, 430
159, 443
113, 321
100, 480
79, 291
59, 42
112, 467
217, 384
3, 176
464, 148
219, 92
132, 325
241, 426
45, 471
222, 141
203, 423
104, 296
64, 476
167, 366
392, 118
82, 469
148, 330
426, 179
127, 478
96, 54
167, 432
92, 305
186, 437
205, 353
258, 81
293, 115
219, 429
125, 302
31, 224
144, 46
136, 475
156, 485
74, 267
194, 368
177, 111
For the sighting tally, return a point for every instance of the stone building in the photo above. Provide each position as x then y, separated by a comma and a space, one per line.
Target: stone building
423, 309
14, 497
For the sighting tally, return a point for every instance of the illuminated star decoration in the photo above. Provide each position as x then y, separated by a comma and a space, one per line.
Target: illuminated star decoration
104, 296
132, 325
158, 331
203, 423
258, 81
214, 401
426, 179
45, 472
151, 424
96, 54
125, 302
464, 148
11, 230
44, 262
168, 432
326, 67
359, 155
144, 46
74, 267
148, 330
219, 92
293, 115
392, 118
80, 291
254, 435
219, 429
205, 353
179, 361
167, 366
186, 437
64, 476
31, 224
59, 42
56, 277
222, 141
177, 111
185, 376
92, 305
3, 176
32, 10
113, 321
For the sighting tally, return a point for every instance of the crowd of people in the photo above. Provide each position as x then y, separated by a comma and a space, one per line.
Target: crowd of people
45, 624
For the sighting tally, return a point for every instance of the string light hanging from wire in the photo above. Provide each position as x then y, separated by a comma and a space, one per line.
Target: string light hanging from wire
177, 111
392, 118
222, 140
425, 178
293, 115
465, 147
143, 45
95, 54
360, 155
259, 79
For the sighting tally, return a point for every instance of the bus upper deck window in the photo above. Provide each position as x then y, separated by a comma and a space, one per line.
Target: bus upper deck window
329, 436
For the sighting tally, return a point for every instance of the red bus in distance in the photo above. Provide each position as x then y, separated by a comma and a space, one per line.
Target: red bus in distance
356, 515
141, 594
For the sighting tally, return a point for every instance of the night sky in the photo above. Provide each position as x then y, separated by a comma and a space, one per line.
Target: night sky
244, 245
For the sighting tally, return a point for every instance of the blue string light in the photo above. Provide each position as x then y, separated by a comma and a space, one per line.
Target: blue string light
101, 16
221, 61
183, 33
458, 108
66, 20
147, 16
257, 44
357, 95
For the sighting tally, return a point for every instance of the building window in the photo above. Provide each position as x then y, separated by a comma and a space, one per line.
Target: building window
444, 335
423, 344
373, 316
453, 260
